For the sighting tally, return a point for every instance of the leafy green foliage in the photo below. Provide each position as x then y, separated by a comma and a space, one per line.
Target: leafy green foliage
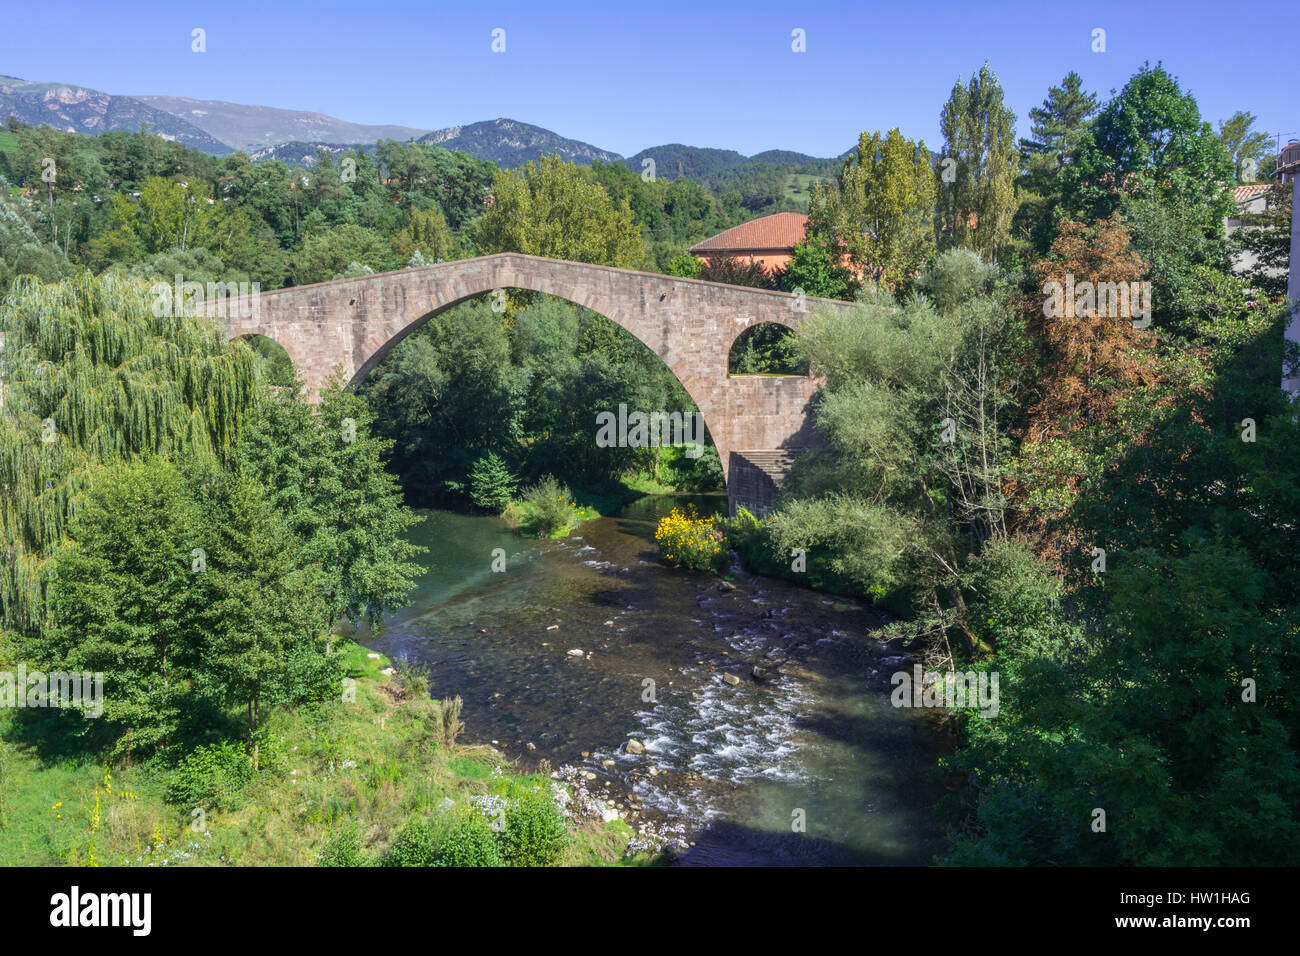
880, 210
211, 777
416, 844
535, 833
344, 847
470, 842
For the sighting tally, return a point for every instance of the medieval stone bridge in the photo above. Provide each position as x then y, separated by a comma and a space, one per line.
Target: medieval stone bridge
757, 422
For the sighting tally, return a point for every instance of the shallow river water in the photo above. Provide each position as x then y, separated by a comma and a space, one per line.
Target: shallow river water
738, 766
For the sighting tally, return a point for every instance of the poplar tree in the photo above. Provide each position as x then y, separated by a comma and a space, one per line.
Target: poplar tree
880, 210
977, 171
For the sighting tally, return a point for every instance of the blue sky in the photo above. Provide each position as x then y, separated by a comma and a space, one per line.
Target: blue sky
625, 76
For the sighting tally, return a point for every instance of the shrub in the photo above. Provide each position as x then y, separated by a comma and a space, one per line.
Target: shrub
411, 680
491, 485
446, 719
471, 842
534, 834
344, 847
551, 509
677, 469
212, 777
691, 541
416, 844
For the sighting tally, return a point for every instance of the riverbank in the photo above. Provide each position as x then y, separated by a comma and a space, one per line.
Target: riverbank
368, 765
667, 658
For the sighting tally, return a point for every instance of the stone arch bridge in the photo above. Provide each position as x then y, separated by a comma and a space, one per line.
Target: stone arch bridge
758, 423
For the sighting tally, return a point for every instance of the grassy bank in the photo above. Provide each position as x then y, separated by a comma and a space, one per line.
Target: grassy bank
374, 775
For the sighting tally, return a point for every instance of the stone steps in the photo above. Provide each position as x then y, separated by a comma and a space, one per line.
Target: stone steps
773, 462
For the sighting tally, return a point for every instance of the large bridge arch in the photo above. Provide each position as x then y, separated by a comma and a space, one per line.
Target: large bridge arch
351, 324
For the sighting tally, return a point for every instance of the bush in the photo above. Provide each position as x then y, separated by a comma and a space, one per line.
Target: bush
535, 834
416, 844
471, 842
491, 485
691, 541
212, 777
678, 470
551, 511
343, 848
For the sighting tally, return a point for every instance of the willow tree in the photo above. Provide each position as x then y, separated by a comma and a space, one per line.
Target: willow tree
91, 375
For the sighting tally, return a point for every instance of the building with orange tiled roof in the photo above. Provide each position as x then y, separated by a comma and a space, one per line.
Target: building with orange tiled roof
768, 240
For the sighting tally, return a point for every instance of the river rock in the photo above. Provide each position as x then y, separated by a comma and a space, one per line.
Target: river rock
554, 627
635, 747
726, 586
530, 746
607, 763
731, 679
759, 673
588, 775
576, 652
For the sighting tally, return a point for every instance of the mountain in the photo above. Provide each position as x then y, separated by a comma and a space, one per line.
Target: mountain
253, 127
701, 163
510, 143
78, 109
299, 153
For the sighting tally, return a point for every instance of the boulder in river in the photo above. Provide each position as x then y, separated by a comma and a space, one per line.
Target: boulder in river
731, 679
635, 747
576, 652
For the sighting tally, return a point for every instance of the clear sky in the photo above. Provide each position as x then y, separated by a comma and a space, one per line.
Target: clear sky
625, 76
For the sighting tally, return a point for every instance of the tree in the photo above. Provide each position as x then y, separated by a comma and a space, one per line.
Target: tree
491, 485
263, 644
814, 270
325, 254
325, 476
880, 210
976, 173
426, 233
1265, 239
554, 209
736, 271
127, 602
1246, 146
1058, 126
1150, 142
115, 382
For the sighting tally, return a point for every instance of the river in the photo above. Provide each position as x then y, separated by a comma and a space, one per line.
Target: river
738, 767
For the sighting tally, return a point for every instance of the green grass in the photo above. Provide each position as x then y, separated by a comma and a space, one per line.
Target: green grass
798, 187
376, 763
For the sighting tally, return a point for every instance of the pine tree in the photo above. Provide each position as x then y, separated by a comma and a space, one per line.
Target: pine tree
491, 484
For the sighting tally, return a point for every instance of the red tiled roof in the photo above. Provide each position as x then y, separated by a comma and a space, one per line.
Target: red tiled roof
778, 231
1248, 192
